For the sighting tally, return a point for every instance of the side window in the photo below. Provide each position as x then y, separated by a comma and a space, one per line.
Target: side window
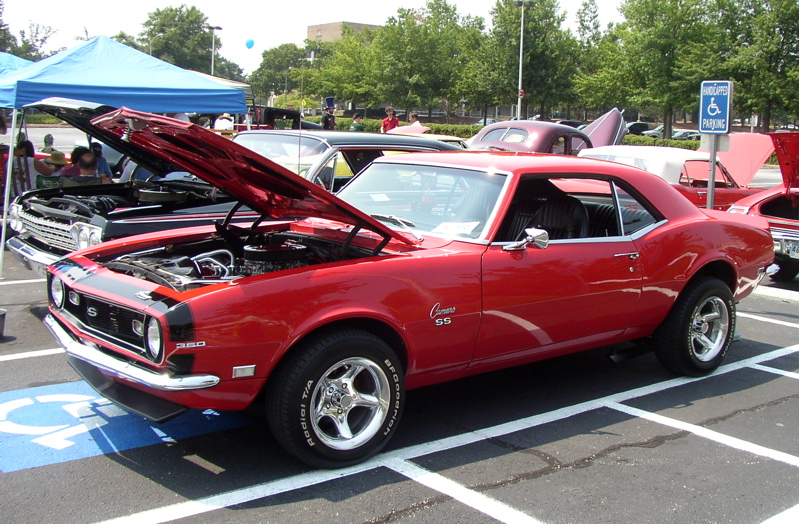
634, 216
495, 135
559, 146
577, 145
695, 172
572, 208
515, 136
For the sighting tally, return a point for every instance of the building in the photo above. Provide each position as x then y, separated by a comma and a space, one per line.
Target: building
334, 31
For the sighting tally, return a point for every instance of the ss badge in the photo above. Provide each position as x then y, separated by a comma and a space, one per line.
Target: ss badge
443, 321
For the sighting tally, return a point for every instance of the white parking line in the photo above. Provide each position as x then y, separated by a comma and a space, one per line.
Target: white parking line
789, 516
31, 354
769, 320
473, 499
389, 459
10, 282
715, 436
776, 371
774, 292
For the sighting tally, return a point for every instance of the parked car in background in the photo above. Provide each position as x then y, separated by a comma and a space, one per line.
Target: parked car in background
638, 128
332, 158
427, 267
654, 133
685, 169
49, 223
780, 206
573, 123
686, 134
265, 117
549, 137
486, 121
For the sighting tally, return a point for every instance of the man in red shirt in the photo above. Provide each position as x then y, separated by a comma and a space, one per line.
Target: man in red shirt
390, 122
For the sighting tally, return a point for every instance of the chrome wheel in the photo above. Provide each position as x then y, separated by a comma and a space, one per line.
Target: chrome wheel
350, 403
709, 329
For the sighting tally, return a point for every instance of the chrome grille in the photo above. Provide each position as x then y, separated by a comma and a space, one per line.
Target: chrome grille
107, 321
49, 231
785, 234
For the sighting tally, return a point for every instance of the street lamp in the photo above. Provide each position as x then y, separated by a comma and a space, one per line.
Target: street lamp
213, 44
522, 4
286, 89
153, 37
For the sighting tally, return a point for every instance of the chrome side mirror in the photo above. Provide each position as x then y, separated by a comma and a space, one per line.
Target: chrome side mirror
538, 237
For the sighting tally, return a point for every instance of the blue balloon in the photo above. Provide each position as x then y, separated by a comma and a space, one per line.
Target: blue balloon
249, 43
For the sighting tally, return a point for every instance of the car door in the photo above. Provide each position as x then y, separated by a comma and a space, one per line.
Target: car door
575, 290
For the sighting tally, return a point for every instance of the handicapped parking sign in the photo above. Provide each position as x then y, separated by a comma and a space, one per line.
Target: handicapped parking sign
63, 422
714, 107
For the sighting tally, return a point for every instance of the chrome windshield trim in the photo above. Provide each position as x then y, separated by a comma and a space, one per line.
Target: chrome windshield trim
124, 370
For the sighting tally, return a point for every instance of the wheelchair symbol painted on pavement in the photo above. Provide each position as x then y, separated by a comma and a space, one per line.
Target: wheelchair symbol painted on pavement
713, 109
91, 413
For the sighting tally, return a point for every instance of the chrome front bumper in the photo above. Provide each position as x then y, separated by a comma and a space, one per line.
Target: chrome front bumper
113, 367
31, 257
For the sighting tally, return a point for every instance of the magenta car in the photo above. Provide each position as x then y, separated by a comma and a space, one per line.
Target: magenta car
538, 136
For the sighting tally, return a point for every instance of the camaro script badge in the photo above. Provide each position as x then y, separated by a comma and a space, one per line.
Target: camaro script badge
438, 312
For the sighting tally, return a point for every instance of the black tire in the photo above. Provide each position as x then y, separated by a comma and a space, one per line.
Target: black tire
787, 271
696, 335
337, 400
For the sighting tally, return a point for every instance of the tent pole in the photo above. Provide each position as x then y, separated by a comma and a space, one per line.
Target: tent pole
7, 195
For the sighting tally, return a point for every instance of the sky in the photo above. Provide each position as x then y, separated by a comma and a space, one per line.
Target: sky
267, 23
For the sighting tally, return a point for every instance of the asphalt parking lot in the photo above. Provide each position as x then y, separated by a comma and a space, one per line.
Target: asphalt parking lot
575, 439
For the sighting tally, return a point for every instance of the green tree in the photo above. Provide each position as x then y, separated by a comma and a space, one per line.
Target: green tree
346, 72
548, 57
181, 36
765, 66
273, 75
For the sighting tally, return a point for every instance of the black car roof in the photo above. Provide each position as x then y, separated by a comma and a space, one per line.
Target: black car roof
349, 138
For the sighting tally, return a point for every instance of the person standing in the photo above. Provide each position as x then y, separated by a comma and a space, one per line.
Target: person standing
356, 123
329, 120
390, 122
25, 167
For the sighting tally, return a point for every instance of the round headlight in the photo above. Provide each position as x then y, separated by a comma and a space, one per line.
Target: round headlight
13, 217
83, 238
153, 341
57, 292
94, 237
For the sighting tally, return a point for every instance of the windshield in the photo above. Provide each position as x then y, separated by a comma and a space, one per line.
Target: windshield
441, 200
294, 152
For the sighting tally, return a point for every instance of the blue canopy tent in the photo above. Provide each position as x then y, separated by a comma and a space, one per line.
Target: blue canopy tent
10, 62
104, 71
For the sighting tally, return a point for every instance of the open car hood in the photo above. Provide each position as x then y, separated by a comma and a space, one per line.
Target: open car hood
79, 114
746, 155
607, 130
261, 184
787, 147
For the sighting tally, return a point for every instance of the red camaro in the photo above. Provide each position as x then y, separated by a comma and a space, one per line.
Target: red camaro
426, 267
780, 206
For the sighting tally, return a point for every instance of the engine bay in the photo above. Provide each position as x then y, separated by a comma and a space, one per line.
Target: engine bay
229, 257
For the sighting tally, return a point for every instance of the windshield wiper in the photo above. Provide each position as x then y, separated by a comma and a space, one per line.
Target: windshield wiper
406, 225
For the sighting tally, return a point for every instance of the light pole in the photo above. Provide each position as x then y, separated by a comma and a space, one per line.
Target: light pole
213, 44
151, 42
286, 89
522, 4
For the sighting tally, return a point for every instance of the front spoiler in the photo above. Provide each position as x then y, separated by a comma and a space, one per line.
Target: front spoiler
99, 370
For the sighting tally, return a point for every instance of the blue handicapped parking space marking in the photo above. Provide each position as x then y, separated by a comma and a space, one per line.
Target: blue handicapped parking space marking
52, 424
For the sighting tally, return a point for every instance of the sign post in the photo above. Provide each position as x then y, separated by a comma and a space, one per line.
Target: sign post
714, 119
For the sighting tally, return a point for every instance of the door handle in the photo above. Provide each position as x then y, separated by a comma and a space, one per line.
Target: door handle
633, 256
